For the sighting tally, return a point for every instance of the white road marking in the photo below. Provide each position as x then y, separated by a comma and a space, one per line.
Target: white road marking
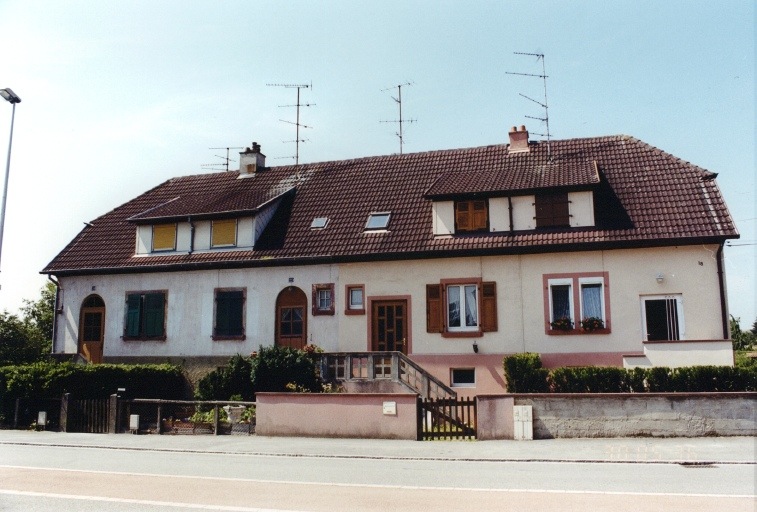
382, 486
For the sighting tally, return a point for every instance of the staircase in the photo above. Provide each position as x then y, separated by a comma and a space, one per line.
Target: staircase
386, 367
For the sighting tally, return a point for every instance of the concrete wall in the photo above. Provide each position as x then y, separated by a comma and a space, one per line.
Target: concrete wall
336, 415
633, 415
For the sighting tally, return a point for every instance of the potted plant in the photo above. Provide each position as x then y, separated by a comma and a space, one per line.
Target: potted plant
562, 324
592, 323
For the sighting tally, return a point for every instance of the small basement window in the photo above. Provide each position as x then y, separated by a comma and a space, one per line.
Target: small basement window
377, 221
463, 377
319, 223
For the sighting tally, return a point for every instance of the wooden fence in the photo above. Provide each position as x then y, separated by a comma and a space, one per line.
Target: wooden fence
447, 418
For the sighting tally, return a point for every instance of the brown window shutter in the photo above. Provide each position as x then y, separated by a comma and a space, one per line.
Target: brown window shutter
489, 307
434, 308
463, 216
479, 215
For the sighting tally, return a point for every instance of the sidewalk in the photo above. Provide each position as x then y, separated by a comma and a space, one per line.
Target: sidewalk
703, 450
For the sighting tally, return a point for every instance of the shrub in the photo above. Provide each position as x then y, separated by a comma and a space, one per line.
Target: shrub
275, 367
231, 380
524, 374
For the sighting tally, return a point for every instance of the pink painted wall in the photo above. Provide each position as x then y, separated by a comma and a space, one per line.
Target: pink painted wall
494, 417
336, 415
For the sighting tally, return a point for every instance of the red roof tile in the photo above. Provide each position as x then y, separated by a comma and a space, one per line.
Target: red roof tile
643, 196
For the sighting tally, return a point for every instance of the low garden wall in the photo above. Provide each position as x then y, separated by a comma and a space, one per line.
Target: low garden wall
623, 415
364, 415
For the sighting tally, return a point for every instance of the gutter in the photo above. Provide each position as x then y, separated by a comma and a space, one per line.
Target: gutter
58, 300
723, 302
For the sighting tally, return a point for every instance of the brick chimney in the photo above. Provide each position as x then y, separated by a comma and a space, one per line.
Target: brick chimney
251, 161
518, 140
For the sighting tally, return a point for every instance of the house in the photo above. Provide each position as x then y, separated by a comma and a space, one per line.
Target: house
592, 251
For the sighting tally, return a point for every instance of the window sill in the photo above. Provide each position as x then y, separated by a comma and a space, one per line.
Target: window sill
462, 334
577, 332
240, 337
354, 311
323, 312
143, 338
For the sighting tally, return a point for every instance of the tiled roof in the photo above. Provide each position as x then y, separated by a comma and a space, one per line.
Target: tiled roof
643, 196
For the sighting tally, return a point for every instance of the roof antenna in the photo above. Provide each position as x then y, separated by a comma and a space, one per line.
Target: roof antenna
217, 166
543, 76
297, 139
400, 121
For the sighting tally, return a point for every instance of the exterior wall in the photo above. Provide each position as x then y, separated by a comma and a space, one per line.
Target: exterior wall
337, 415
494, 417
642, 414
690, 271
676, 353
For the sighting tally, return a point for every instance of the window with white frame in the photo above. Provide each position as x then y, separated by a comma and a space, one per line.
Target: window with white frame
462, 307
577, 303
662, 317
463, 377
355, 298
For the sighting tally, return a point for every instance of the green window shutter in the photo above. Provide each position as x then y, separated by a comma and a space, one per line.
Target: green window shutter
133, 309
229, 313
154, 314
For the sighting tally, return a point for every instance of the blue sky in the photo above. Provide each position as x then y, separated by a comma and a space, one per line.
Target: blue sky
118, 97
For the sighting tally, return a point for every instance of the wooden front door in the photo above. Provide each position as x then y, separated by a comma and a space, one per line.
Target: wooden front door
92, 329
389, 326
291, 318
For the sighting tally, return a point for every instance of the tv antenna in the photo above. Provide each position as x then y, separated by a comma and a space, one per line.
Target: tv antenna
297, 123
226, 160
543, 76
399, 121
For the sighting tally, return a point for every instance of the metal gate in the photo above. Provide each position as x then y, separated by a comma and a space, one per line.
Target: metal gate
447, 418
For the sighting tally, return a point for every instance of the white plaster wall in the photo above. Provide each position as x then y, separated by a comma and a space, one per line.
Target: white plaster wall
499, 214
202, 235
581, 208
443, 213
144, 239
690, 354
189, 306
245, 235
524, 212
183, 236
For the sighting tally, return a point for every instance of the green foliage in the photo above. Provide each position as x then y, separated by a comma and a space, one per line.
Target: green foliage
52, 380
275, 367
524, 374
228, 382
27, 339
742, 340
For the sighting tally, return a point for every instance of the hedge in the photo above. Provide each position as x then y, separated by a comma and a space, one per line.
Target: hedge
524, 374
52, 380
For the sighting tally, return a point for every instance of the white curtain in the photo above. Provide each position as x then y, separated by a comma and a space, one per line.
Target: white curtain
591, 299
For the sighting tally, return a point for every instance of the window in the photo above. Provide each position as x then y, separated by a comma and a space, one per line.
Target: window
576, 303
319, 223
145, 315
223, 233
471, 216
355, 299
552, 210
662, 317
323, 299
229, 314
164, 237
461, 307
378, 221
463, 377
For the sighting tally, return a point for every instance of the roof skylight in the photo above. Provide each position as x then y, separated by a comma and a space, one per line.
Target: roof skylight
319, 223
377, 221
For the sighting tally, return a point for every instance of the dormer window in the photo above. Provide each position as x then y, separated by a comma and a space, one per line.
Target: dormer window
471, 216
378, 221
164, 237
319, 223
552, 210
224, 233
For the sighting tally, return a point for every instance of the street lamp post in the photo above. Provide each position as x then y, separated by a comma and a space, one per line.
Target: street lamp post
13, 98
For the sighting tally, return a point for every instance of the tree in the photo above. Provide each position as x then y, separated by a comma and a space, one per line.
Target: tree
742, 340
27, 339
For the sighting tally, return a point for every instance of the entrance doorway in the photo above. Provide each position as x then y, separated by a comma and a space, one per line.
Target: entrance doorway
389, 326
291, 318
92, 329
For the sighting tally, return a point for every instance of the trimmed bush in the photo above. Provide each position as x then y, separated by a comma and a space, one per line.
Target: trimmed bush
233, 380
524, 374
275, 367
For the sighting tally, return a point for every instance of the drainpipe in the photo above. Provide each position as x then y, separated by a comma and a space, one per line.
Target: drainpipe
510, 210
723, 303
191, 235
58, 290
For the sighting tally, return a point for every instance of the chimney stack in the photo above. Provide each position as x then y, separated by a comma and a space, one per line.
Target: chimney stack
251, 161
518, 140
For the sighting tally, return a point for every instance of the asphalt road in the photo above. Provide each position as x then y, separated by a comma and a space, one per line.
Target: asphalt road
80, 478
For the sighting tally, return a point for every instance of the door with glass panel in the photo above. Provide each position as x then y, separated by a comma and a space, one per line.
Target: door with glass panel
291, 318
389, 326
92, 329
